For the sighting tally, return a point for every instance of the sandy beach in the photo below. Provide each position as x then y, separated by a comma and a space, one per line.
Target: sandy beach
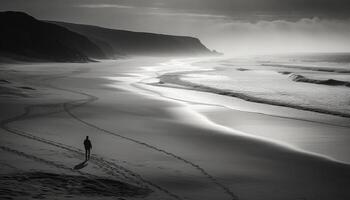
156, 140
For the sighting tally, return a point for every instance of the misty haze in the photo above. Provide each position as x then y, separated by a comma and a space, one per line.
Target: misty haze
181, 99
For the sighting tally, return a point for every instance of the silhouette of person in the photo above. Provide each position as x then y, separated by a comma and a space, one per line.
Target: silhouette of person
88, 147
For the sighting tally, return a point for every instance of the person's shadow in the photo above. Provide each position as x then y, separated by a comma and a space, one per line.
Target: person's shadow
81, 165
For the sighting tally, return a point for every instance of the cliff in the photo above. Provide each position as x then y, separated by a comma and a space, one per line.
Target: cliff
23, 36
122, 42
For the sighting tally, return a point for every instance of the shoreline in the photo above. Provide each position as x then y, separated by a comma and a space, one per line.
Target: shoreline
213, 121
174, 79
305, 148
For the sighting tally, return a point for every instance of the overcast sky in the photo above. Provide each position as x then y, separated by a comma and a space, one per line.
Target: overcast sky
230, 26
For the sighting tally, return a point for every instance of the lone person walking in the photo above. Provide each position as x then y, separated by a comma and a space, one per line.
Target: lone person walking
88, 147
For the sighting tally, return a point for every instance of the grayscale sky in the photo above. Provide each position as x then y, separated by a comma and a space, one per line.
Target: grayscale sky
231, 26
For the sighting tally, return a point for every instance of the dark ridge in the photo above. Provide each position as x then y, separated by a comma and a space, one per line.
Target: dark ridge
337, 57
285, 72
26, 88
319, 69
47, 185
330, 82
122, 42
242, 69
24, 37
4, 81
13, 92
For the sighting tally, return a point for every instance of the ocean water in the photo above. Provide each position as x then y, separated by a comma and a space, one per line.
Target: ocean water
314, 82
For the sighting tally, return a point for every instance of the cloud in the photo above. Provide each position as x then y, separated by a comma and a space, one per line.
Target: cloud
104, 6
185, 14
101, 6
254, 8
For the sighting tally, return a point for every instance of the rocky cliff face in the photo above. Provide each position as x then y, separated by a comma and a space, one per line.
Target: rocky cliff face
24, 36
121, 42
